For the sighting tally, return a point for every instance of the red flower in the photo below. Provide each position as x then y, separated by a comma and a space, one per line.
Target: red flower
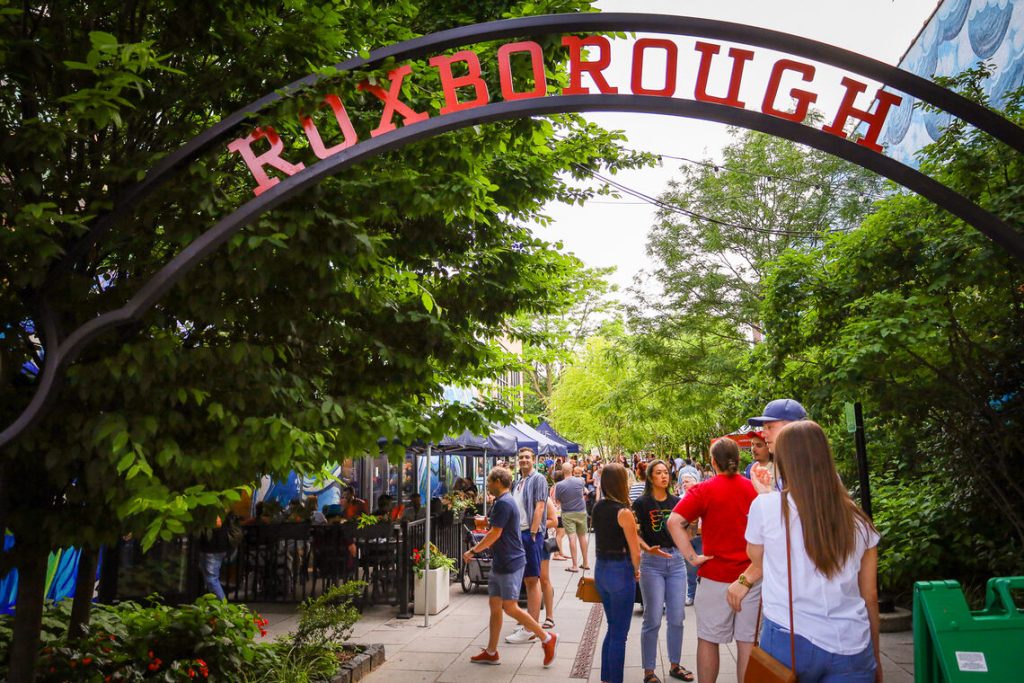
155, 664
191, 673
87, 661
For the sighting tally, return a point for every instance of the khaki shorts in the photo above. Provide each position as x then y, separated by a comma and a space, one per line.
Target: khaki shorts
716, 621
575, 522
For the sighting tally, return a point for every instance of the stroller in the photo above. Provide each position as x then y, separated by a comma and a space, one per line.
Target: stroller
477, 571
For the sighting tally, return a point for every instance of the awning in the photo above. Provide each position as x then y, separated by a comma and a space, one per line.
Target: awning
498, 443
549, 431
545, 445
741, 436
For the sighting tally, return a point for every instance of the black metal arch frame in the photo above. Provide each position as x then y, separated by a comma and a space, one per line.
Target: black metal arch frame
60, 351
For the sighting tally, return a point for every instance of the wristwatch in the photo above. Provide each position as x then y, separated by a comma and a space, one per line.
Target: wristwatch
744, 581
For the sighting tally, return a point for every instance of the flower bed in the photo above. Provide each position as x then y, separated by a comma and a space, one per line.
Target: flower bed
209, 639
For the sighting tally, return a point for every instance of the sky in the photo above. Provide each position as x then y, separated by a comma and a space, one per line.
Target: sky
610, 232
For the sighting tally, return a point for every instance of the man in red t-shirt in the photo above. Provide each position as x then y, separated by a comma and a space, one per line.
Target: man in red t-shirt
722, 503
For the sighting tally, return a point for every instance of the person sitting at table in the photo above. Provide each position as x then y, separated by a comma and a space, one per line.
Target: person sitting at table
414, 510
351, 505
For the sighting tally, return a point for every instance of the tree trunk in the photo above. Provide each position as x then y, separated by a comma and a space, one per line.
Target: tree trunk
28, 615
85, 583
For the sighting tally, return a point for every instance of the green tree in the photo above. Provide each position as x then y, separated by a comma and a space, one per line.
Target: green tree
583, 305
332, 321
720, 226
591, 399
921, 318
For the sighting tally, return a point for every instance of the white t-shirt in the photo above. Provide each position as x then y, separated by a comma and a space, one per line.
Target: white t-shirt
828, 612
519, 497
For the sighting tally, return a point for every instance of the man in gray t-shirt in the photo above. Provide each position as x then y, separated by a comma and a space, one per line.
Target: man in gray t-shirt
569, 494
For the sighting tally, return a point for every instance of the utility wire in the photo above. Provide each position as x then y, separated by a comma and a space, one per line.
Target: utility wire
686, 212
733, 169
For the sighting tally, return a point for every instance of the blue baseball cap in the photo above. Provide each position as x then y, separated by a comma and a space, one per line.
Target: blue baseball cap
781, 409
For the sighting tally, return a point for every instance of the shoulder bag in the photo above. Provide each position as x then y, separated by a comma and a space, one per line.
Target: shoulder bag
586, 589
762, 667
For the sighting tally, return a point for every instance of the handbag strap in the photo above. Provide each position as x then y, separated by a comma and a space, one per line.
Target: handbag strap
789, 579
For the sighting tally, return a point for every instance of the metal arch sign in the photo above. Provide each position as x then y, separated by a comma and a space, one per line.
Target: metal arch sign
780, 111
469, 91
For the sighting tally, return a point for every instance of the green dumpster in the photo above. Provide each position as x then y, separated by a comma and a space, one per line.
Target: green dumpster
952, 643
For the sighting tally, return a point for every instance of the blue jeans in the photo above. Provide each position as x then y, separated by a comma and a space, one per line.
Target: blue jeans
691, 572
663, 585
815, 665
617, 586
211, 573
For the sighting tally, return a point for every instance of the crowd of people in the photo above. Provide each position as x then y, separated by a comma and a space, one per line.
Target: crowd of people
776, 552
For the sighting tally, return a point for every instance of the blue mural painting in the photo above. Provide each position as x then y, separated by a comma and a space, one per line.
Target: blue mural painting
61, 573
960, 34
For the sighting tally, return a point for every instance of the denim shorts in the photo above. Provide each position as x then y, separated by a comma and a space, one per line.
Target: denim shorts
813, 662
505, 586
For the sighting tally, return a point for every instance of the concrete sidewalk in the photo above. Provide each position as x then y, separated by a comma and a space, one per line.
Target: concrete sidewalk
440, 653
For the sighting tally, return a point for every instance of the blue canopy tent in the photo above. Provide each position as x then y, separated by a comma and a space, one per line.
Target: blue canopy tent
545, 445
498, 444
549, 431
521, 438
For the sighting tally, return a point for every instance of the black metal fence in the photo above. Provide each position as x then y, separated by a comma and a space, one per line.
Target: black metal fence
289, 562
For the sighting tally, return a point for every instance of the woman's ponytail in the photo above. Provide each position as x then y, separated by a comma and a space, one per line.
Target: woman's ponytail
726, 455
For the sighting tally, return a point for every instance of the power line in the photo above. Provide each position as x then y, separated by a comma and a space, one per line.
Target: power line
770, 177
686, 212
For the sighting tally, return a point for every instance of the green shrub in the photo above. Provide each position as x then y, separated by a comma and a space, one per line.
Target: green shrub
209, 639
933, 529
330, 617
131, 642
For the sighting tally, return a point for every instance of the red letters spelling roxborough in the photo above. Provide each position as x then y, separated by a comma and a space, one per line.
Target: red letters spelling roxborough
469, 91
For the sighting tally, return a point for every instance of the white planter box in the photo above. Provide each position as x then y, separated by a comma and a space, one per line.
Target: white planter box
432, 588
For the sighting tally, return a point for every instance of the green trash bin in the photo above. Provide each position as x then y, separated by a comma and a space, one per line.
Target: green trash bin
953, 644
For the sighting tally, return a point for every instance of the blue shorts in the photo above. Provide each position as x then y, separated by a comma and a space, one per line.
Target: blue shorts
505, 586
533, 544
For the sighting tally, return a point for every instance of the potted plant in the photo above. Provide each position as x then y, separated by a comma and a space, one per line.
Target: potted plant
431, 584
458, 502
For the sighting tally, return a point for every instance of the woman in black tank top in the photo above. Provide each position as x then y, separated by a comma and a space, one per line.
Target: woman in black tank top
618, 567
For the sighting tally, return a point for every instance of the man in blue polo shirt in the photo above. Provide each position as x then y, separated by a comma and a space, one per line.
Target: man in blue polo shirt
509, 561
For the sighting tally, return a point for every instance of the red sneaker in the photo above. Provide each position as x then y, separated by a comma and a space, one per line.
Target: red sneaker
549, 649
486, 658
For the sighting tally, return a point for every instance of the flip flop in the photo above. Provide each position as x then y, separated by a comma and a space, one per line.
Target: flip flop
570, 569
585, 568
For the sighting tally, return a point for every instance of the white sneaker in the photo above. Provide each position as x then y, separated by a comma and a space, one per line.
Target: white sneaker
519, 635
689, 602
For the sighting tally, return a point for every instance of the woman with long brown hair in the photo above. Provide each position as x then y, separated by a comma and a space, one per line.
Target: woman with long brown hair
830, 563
618, 567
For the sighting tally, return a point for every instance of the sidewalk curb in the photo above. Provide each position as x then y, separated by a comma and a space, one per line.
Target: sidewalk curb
361, 665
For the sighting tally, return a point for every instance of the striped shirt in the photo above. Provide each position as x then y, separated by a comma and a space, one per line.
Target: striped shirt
636, 490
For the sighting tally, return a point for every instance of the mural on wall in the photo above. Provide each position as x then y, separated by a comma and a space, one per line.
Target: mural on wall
61, 574
960, 34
